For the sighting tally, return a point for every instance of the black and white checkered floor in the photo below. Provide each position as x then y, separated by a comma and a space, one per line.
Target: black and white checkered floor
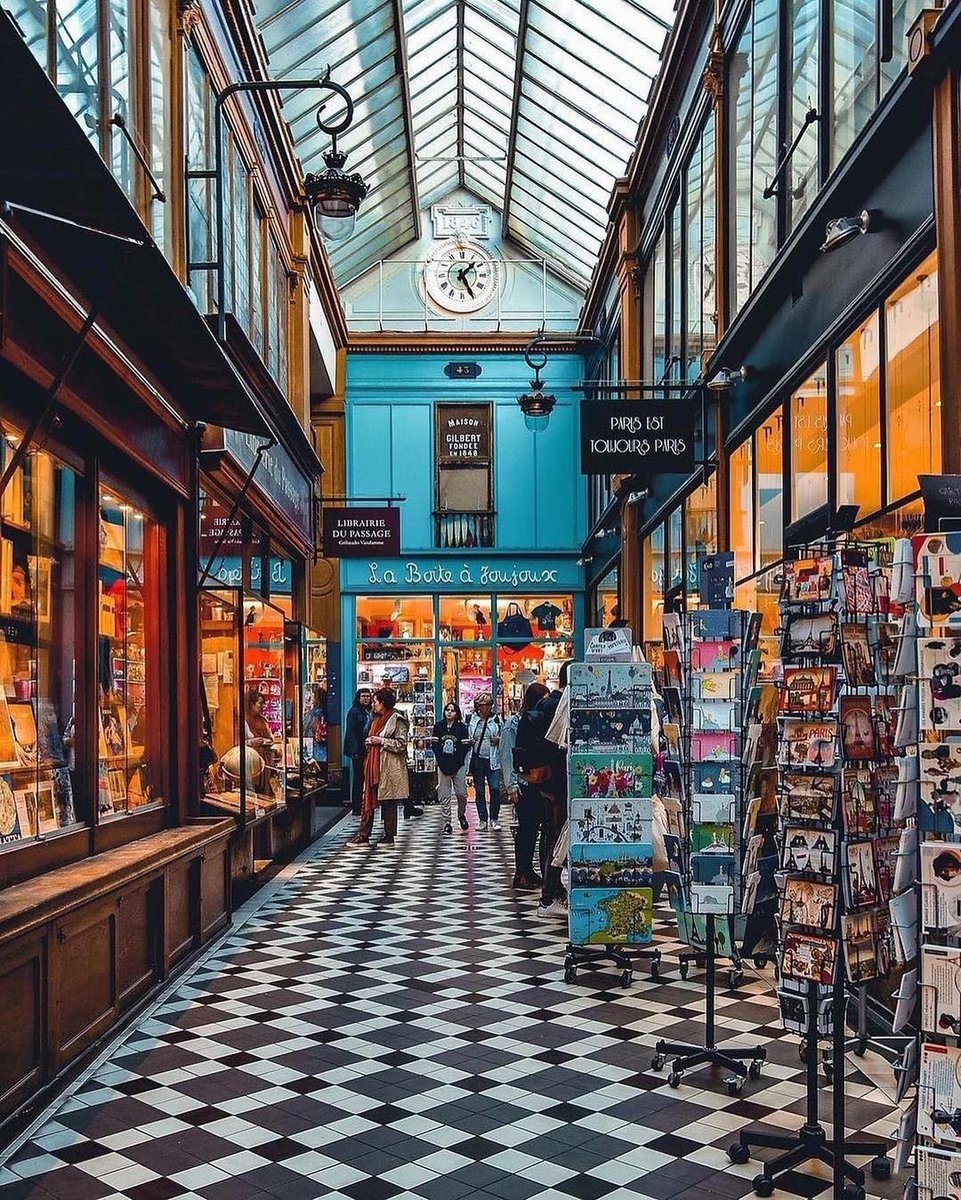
392, 1024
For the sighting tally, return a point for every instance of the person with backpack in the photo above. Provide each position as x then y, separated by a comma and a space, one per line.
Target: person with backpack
522, 785
451, 742
484, 766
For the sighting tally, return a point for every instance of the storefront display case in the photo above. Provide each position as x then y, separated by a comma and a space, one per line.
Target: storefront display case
408, 669
305, 711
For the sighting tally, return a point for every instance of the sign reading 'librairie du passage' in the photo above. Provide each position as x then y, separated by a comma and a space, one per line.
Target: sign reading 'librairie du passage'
360, 532
637, 437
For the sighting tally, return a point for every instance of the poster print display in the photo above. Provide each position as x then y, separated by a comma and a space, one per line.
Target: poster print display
808, 957
610, 769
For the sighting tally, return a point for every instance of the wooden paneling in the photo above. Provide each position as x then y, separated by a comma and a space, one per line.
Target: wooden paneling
138, 959
179, 907
214, 890
83, 991
22, 1011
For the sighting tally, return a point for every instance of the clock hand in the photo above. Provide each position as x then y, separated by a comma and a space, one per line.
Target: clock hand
462, 276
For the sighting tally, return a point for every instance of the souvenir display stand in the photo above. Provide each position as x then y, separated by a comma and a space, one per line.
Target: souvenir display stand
710, 658
837, 719
610, 782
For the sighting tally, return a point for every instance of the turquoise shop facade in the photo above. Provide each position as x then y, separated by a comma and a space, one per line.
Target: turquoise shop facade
539, 495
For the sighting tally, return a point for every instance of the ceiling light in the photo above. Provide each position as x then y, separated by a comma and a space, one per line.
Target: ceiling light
537, 404
844, 230
333, 194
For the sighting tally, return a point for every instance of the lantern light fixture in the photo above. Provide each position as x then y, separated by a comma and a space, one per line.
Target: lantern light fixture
333, 194
537, 404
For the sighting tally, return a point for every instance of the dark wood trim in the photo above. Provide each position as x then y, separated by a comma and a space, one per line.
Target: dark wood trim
947, 207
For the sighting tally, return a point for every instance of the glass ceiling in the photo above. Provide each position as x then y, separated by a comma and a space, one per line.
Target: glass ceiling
532, 104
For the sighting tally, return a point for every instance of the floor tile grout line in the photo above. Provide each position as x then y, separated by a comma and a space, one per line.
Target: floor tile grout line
240, 918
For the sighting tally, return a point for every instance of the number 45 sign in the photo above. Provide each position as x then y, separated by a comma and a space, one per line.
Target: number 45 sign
645, 437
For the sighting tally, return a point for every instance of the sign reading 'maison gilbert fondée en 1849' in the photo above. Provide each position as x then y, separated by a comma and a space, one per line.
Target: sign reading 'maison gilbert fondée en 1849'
636, 437
360, 532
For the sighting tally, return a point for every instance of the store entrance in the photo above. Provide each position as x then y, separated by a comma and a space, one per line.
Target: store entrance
466, 672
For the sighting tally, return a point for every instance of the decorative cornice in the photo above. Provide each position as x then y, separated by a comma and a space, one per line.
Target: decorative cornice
435, 343
713, 79
188, 15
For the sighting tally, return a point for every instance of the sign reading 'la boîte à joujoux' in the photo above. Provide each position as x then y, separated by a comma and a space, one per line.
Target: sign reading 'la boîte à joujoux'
637, 437
360, 532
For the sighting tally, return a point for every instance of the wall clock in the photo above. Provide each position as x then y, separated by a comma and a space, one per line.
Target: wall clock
460, 276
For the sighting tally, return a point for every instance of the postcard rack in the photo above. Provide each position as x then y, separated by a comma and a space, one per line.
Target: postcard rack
611, 848
838, 848
711, 661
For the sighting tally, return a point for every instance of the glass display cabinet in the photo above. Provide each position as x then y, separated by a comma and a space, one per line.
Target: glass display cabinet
305, 710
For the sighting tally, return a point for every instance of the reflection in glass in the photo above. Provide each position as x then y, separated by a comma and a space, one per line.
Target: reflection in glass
859, 418
741, 508
804, 17
855, 73
264, 725
700, 521
769, 457
809, 445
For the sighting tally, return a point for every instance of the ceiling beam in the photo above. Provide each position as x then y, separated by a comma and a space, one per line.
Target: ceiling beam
461, 92
403, 76
523, 15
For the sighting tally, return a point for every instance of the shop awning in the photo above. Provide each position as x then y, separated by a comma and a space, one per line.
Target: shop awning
50, 166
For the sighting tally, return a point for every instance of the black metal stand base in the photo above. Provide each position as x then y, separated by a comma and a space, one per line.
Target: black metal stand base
735, 974
741, 1062
809, 1144
594, 958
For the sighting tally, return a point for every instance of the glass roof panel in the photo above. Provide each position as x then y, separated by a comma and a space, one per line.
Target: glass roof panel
534, 105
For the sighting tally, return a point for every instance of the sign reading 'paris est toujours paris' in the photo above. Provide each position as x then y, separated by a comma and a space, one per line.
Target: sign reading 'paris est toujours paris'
637, 437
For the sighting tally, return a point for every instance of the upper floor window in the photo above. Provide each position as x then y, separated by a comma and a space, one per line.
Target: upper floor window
464, 454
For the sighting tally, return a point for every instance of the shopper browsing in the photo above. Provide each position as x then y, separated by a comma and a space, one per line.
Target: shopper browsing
386, 781
484, 766
451, 742
521, 781
356, 724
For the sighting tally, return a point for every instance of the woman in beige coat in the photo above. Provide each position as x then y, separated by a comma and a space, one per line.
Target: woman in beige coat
385, 769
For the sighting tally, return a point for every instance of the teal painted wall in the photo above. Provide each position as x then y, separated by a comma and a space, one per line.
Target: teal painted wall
540, 496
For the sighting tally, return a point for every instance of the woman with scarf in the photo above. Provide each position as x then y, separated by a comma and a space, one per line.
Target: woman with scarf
385, 769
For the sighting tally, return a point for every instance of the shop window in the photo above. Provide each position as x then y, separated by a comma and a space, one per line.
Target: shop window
200, 190
676, 283
257, 326
316, 708
39, 755
676, 545
903, 15
130, 727
407, 668
547, 616
160, 119
463, 452
265, 696
700, 532
854, 72
858, 372
769, 457
653, 560
753, 97
605, 599
913, 381
221, 701
659, 308
465, 619
385, 617
239, 236
809, 445
700, 252
804, 33
741, 508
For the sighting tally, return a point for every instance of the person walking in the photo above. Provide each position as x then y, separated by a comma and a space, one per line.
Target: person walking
523, 730
484, 766
356, 724
451, 741
386, 781
553, 896
315, 726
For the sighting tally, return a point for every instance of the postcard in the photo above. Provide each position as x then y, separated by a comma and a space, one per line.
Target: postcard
886, 717
713, 747
856, 582
883, 638
606, 821
710, 838
804, 636
807, 580
714, 777
610, 731
715, 624
859, 666
939, 1174
610, 685
811, 850
939, 670
712, 898
859, 874
604, 776
809, 957
809, 689
887, 860
712, 808
859, 807
752, 854
605, 865
611, 916
809, 743
903, 910
941, 990
669, 780
692, 929
715, 685
859, 938
714, 656
715, 715
939, 1083
808, 797
809, 902
858, 736
940, 886
14, 825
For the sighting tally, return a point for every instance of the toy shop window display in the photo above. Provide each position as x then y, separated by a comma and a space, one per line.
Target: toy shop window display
127, 575
264, 727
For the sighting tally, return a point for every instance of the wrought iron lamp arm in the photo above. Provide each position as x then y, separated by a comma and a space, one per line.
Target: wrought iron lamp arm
810, 117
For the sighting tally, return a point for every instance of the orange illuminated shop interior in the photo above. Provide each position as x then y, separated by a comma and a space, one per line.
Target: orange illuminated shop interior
244, 751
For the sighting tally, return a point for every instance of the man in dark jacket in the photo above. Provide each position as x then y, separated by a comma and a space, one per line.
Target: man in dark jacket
553, 896
356, 724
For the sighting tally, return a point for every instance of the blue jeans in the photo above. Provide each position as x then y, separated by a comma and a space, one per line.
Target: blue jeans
483, 778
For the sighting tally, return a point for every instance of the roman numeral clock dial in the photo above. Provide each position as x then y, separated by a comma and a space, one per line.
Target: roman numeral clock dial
460, 277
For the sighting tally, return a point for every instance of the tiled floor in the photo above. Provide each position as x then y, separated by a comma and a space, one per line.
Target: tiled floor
392, 1025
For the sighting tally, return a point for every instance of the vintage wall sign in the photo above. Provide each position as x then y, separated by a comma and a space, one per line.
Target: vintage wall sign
463, 433
360, 532
637, 437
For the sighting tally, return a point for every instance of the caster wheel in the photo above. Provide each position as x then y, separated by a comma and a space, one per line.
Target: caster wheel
853, 1192
860, 1047
655, 970
760, 962
762, 1185
657, 1062
828, 1074
570, 974
684, 970
674, 1079
734, 1087
881, 1168
738, 1153
626, 978
734, 979
802, 1050
754, 1070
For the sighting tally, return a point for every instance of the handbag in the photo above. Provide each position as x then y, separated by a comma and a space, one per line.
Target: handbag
514, 624
473, 753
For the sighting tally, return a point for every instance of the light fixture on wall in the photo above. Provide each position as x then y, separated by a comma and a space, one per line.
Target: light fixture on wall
537, 404
845, 229
634, 497
333, 194
726, 378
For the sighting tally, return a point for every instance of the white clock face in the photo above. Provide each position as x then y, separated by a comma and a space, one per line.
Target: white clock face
460, 276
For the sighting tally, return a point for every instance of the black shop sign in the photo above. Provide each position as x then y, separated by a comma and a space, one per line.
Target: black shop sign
637, 437
361, 532
463, 433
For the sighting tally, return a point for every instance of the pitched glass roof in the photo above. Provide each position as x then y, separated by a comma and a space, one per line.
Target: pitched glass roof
532, 104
